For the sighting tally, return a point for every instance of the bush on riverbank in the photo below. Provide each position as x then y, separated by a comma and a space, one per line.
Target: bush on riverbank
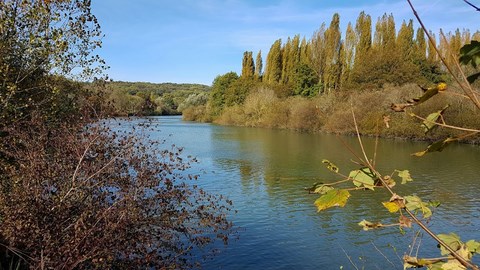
332, 113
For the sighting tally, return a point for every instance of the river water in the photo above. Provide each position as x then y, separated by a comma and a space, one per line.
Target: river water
265, 171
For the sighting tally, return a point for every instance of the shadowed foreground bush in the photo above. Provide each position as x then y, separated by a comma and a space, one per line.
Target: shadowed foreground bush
81, 198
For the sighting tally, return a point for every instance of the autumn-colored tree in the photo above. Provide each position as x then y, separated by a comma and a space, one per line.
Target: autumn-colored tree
259, 66
405, 42
273, 71
248, 66
286, 58
318, 48
305, 52
290, 59
420, 45
385, 33
348, 55
432, 56
333, 47
363, 31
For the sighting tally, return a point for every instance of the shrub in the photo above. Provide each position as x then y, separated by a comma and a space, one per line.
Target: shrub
84, 196
196, 113
257, 105
278, 115
233, 116
304, 115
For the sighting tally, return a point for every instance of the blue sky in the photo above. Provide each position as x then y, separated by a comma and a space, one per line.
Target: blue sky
193, 41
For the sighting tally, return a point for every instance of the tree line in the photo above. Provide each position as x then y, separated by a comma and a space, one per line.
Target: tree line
305, 83
362, 58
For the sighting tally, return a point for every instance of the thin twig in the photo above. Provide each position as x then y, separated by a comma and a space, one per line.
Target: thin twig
379, 251
350, 149
360, 139
445, 125
349, 258
472, 5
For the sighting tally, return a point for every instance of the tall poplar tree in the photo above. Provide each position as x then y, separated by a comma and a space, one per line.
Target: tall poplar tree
348, 54
286, 58
318, 52
405, 41
476, 36
384, 37
305, 52
248, 66
258, 66
273, 71
420, 45
332, 54
432, 55
291, 59
363, 30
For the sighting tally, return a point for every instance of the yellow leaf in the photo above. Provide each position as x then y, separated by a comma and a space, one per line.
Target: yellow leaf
333, 198
392, 207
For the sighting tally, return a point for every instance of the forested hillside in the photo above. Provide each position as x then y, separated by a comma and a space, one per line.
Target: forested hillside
311, 84
142, 98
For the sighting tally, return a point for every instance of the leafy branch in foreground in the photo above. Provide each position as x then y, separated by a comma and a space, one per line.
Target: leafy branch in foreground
456, 254
366, 177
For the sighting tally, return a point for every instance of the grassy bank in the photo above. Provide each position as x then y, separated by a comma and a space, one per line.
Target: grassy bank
332, 113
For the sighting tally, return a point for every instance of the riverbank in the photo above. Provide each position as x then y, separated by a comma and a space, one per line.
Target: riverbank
332, 113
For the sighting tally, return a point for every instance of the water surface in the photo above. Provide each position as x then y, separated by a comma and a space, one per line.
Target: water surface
264, 172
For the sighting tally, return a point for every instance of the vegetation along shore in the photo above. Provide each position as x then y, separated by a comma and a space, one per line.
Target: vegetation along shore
313, 85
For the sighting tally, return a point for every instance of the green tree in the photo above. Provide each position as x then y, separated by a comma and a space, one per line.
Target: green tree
306, 81
218, 92
237, 91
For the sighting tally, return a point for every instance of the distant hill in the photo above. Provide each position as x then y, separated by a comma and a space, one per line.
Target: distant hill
144, 98
156, 88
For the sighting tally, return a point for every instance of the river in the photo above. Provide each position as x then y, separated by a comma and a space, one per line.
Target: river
264, 173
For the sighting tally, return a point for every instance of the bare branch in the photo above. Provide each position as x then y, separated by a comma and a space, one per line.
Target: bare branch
472, 5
